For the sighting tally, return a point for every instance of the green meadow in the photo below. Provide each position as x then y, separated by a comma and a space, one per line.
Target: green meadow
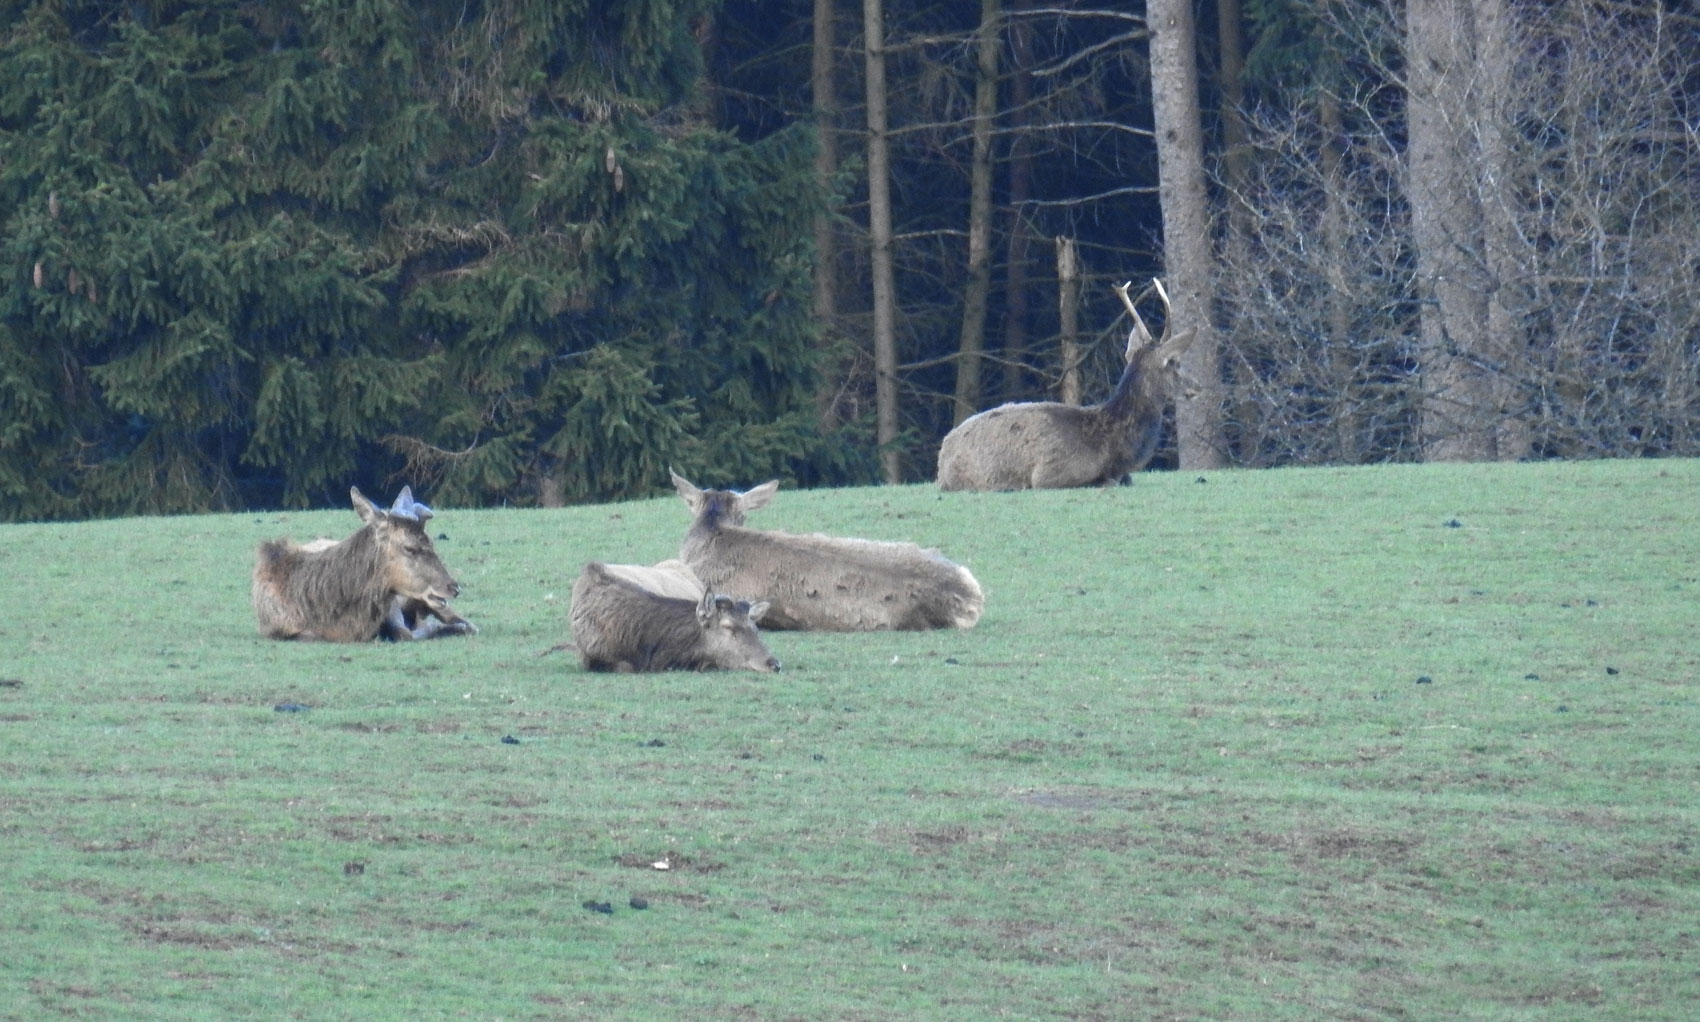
1405, 742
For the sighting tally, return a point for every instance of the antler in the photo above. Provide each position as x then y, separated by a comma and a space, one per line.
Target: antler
1121, 289
1140, 335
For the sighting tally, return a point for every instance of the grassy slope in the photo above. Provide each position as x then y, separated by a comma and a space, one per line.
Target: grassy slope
1184, 768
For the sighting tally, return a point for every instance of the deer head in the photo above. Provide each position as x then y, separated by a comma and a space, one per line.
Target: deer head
1162, 354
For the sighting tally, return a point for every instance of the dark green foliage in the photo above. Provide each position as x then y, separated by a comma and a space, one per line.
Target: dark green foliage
256, 252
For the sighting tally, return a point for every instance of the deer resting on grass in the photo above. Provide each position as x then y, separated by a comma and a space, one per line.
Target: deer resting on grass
1050, 445
620, 624
671, 577
385, 580
821, 583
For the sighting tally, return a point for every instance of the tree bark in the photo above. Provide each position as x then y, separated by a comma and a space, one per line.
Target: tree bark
879, 243
1459, 416
1506, 343
825, 292
971, 343
1020, 187
1068, 307
1186, 224
1236, 239
1338, 314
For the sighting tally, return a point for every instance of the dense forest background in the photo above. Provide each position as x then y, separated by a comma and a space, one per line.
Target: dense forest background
536, 252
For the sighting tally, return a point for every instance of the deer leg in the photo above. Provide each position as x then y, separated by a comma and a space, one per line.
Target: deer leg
394, 626
425, 619
432, 628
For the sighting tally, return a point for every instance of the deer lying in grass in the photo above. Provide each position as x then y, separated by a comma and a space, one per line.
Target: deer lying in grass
384, 580
822, 583
671, 577
619, 624
1050, 445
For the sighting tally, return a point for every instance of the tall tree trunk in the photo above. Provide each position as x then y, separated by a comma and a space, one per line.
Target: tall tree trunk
825, 303
1507, 345
1230, 44
971, 342
1458, 398
1186, 224
1236, 239
1020, 186
1337, 318
1068, 308
879, 243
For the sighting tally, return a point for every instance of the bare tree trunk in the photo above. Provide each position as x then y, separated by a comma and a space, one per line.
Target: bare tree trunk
825, 304
1236, 239
879, 242
1338, 314
1458, 399
972, 341
1505, 344
1020, 187
1186, 224
1068, 307
1231, 45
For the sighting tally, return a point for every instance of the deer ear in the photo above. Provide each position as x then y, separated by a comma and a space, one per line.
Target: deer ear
362, 507
1138, 339
758, 496
688, 492
758, 609
705, 609
1175, 347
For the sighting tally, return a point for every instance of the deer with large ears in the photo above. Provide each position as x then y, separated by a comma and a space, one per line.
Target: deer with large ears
1050, 445
385, 580
821, 583
628, 617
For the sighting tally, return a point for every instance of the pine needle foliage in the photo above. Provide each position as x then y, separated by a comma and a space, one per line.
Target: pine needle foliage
257, 251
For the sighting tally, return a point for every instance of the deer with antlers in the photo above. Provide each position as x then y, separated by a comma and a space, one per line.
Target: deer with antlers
1050, 445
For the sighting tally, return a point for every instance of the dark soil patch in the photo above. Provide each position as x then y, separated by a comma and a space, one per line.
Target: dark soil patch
939, 840
190, 937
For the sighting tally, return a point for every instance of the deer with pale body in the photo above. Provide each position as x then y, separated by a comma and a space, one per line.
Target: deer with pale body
814, 582
1036, 445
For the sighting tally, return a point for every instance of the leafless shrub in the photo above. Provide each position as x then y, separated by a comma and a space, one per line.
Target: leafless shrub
1596, 278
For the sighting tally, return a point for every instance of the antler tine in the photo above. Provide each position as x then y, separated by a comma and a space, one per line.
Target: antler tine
1168, 311
1157, 282
1140, 335
1121, 289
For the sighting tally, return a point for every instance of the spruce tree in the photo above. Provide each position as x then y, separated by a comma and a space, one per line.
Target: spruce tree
259, 251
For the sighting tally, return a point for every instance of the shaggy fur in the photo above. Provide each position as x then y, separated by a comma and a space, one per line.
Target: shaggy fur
385, 579
822, 583
1049, 445
619, 625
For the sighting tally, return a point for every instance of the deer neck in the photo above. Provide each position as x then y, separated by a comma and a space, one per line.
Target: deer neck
1128, 401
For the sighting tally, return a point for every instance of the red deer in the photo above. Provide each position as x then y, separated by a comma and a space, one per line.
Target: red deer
405, 615
671, 577
822, 583
385, 580
1049, 445
620, 625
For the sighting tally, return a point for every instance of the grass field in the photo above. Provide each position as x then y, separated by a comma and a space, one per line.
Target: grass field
1409, 742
